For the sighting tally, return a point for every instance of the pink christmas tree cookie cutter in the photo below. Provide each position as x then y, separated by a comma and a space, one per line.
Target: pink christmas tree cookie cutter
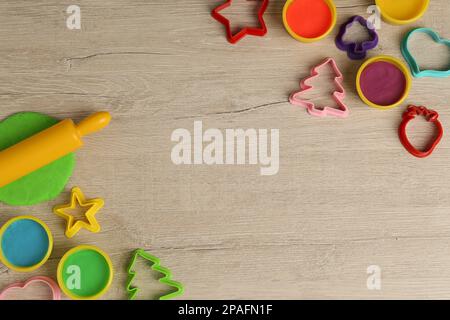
341, 112
56, 292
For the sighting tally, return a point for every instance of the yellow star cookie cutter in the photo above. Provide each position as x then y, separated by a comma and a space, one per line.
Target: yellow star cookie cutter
78, 200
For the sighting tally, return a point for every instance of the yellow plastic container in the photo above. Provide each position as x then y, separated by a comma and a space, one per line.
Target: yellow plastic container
402, 11
47, 146
95, 271
19, 242
393, 61
316, 18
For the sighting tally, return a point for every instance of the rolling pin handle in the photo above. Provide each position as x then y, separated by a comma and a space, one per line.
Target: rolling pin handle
95, 122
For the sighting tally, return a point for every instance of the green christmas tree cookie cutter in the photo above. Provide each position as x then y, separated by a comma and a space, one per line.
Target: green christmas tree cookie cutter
415, 68
155, 266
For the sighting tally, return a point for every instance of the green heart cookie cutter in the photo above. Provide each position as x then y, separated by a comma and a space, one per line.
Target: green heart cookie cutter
415, 69
155, 266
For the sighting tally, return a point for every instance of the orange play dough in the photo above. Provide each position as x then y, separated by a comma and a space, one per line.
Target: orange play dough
309, 18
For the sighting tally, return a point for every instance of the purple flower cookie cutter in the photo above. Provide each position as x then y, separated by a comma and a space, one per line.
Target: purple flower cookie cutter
357, 50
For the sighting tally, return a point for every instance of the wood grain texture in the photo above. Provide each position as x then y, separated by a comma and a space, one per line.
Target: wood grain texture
347, 195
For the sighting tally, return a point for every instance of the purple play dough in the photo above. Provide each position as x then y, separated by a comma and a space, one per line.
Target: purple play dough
382, 83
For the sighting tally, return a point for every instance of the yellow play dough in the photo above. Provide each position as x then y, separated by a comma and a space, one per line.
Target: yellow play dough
402, 11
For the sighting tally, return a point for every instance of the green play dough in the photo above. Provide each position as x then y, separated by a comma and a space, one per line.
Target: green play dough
93, 270
44, 184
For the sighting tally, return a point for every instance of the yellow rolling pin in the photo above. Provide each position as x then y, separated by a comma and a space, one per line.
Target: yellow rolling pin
47, 146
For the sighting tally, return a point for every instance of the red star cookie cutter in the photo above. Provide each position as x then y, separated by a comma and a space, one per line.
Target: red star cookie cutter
233, 38
431, 116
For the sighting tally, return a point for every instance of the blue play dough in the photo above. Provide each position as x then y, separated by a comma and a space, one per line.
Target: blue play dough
25, 243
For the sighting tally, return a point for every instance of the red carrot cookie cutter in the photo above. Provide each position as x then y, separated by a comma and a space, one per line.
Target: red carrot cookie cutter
431, 116
233, 38
338, 95
56, 292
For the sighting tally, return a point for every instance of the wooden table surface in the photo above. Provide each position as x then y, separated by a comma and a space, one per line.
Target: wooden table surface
347, 195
